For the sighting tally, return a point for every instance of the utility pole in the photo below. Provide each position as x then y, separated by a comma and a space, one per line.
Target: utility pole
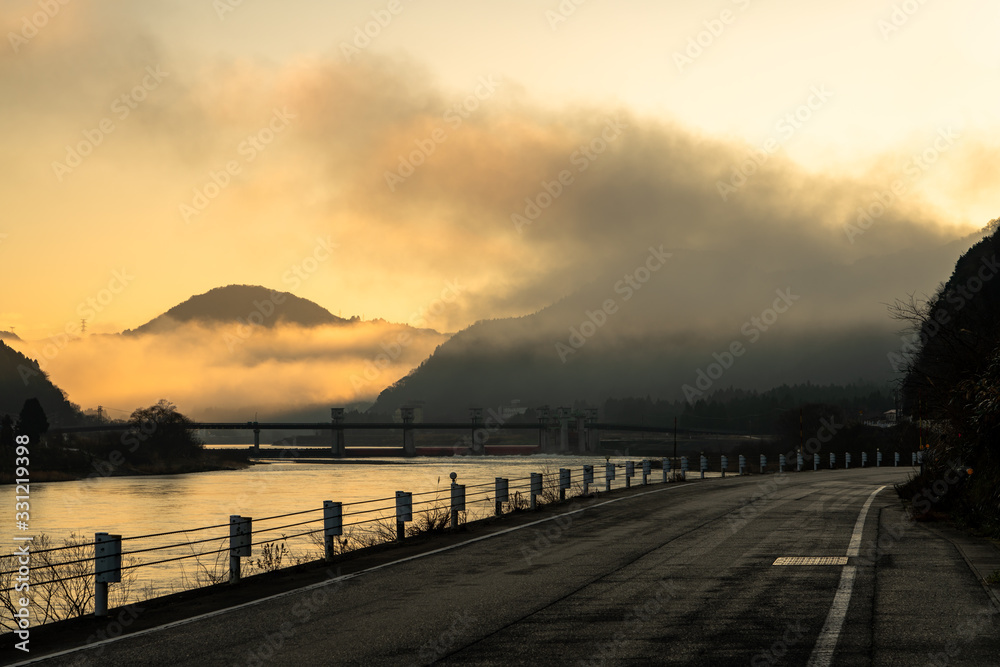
920, 421
674, 462
800, 430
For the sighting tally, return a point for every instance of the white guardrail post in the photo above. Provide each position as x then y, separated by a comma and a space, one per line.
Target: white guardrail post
743, 464
646, 467
847, 460
703, 465
684, 468
629, 473
815, 462
609, 474
781, 463
457, 501
502, 493
404, 512
588, 478
666, 470
565, 479
763, 463
240, 540
864, 459
724, 465
833, 460
333, 526
107, 568
536, 489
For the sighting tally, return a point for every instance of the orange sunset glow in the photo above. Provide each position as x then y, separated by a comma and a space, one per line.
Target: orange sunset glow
437, 164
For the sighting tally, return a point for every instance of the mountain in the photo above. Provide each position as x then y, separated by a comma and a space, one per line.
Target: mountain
242, 303
21, 379
9, 335
237, 351
958, 342
666, 337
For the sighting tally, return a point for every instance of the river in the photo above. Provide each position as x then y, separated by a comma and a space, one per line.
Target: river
145, 505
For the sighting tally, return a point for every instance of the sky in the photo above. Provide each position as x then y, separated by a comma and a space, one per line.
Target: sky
504, 151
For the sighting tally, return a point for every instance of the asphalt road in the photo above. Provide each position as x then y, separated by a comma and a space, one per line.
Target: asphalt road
672, 574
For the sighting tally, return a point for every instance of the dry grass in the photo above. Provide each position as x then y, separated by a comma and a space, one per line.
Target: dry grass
65, 597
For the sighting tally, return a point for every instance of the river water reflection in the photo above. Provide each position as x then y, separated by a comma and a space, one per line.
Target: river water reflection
136, 506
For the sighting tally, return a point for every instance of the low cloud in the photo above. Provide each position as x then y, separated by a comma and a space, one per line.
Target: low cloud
214, 372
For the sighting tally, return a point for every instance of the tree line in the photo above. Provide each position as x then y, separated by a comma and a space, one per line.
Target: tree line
949, 356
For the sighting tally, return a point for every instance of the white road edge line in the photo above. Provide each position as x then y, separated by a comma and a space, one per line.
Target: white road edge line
333, 580
822, 654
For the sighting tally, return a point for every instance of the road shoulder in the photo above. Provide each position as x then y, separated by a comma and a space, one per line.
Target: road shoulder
930, 604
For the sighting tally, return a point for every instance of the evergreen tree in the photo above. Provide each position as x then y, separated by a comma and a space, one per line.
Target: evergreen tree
32, 421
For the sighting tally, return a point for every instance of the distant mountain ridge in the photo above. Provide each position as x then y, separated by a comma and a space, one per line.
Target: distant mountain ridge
21, 379
661, 342
242, 303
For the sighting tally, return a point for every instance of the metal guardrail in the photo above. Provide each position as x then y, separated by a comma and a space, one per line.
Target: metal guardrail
243, 533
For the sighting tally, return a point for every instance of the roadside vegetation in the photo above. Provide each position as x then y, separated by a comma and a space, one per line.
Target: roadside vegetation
62, 582
155, 440
950, 358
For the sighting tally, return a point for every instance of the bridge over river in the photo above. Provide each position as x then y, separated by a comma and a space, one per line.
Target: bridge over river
560, 432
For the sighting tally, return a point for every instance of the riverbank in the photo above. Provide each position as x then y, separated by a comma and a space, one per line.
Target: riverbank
80, 467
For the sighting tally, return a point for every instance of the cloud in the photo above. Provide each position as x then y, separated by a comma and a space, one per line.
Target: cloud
230, 372
420, 186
